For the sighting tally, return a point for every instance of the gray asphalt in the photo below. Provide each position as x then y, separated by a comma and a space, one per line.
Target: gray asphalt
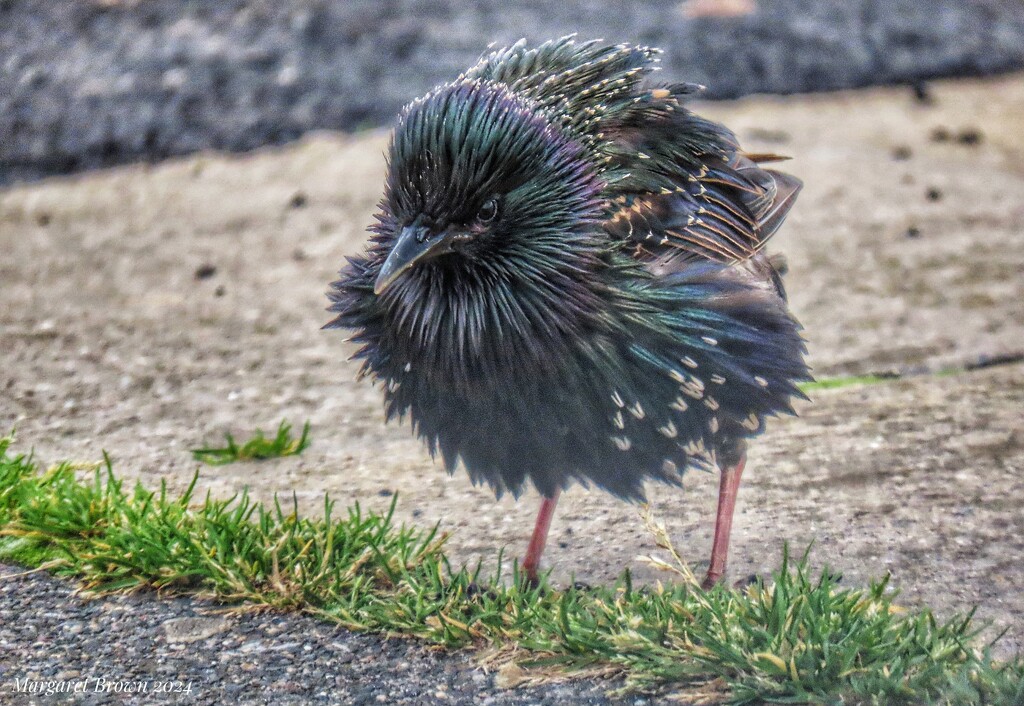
135, 649
94, 83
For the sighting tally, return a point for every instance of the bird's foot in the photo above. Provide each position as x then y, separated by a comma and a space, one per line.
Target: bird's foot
748, 580
475, 590
711, 580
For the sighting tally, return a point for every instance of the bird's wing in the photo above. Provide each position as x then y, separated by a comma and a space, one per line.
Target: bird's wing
678, 186
716, 210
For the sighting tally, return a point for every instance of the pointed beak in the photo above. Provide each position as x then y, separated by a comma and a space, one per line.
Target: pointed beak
414, 244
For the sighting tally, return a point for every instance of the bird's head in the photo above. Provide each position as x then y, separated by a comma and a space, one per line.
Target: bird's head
483, 184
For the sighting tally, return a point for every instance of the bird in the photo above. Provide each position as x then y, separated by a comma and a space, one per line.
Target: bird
566, 282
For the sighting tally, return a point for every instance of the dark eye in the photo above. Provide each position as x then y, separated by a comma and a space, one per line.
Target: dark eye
488, 212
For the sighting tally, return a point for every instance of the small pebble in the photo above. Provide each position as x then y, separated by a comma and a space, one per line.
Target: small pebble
901, 153
205, 271
970, 137
922, 93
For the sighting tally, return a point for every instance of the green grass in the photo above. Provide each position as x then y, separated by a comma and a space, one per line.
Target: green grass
257, 448
839, 381
842, 381
799, 638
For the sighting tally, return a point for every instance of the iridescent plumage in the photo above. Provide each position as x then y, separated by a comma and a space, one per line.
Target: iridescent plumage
565, 280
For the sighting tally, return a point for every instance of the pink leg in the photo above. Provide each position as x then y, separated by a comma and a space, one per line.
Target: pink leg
540, 536
727, 491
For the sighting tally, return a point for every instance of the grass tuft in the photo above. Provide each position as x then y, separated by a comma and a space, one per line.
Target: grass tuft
834, 383
257, 448
798, 638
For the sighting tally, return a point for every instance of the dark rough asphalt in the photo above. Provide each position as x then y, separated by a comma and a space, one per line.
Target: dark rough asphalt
138, 650
99, 82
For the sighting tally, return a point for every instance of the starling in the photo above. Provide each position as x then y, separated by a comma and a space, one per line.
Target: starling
565, 281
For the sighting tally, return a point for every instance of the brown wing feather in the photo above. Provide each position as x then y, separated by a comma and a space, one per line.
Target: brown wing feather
723, 213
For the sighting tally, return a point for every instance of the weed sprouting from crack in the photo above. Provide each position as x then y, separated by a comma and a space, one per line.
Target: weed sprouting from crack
258, 447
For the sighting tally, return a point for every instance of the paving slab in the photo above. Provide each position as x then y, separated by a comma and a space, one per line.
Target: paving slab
146, 310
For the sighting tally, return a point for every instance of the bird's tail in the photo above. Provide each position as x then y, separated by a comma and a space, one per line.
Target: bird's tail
732, 346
